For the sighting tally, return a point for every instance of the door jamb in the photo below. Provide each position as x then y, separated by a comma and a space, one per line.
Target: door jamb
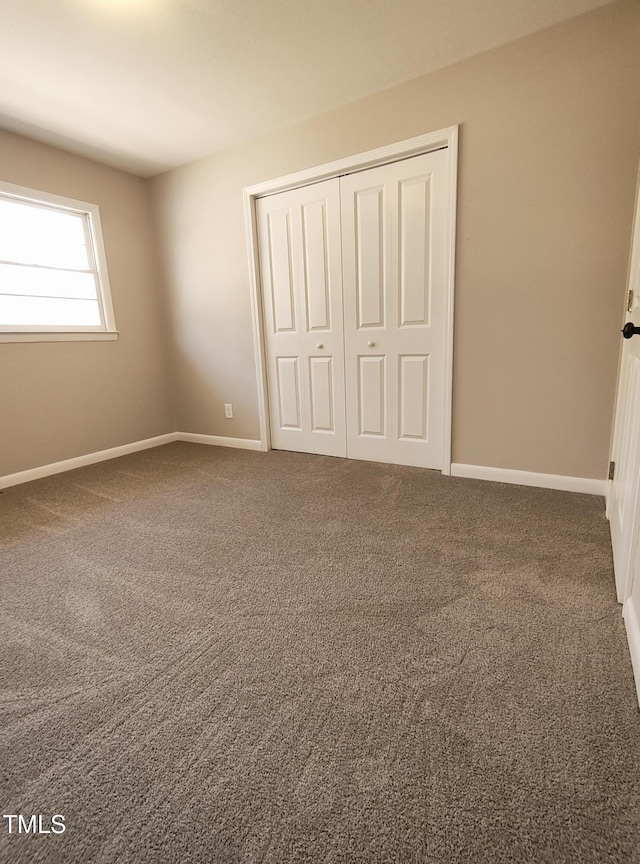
443, 138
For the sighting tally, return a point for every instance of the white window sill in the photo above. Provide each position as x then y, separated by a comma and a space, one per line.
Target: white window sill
60, 336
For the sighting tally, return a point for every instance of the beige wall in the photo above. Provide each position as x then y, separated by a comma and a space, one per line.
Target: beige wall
550, 135
64, 399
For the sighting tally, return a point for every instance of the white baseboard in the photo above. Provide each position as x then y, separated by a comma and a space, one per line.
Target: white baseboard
123, 450
81, 461
632, 625
476, 472
219, 441
530, 478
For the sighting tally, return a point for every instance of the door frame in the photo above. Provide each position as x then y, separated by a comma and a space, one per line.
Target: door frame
441, 139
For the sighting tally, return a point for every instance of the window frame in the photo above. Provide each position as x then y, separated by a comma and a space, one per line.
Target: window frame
106, 330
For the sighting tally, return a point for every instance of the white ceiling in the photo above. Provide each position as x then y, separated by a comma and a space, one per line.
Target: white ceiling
150, 84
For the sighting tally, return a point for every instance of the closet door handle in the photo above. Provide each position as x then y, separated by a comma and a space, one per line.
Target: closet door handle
319, 345
371, 344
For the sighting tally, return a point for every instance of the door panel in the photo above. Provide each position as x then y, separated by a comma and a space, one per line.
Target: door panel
394, 272
289, 414
280, 252
322, 399
415, 275
316, 266
368, 238
371, 396
300, 268
413, 397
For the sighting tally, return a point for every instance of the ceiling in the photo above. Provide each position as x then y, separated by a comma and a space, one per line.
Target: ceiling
147, 85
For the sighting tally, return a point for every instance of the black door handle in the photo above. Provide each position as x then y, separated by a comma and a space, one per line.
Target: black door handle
630, 330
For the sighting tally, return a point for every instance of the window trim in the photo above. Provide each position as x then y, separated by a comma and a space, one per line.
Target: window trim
106, 330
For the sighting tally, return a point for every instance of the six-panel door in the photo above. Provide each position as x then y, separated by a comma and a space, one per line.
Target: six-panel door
300, 266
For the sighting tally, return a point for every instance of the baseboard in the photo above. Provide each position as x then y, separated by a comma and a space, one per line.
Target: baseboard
123, 450
219, 441
81, 461
530, 478
476, 472
632, 625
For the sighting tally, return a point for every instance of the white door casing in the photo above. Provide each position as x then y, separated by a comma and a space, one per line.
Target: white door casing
300, 267
394, 268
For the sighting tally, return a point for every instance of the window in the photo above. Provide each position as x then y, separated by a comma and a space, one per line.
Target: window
53, 273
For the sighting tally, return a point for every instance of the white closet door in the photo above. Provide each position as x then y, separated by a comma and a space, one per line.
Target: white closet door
300, 265
394, 271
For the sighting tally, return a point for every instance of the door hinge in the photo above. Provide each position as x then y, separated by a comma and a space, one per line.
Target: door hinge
612, 470
630, 301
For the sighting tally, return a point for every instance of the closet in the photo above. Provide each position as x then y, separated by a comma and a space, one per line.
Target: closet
353, 272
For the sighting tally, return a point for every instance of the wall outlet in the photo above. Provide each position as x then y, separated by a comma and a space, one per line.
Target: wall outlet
228, 411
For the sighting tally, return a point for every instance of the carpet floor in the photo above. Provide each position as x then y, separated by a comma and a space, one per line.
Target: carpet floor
215, 655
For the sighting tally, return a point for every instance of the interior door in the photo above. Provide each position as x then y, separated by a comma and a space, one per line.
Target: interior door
394, 266
300, 266
623, 512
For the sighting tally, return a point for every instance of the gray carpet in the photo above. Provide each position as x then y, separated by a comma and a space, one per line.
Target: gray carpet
221, 656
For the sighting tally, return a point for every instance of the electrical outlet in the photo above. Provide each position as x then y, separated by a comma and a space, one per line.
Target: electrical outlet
228, 411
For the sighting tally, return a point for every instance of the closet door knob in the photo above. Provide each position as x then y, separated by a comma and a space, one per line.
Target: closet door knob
629, 330
319, 345
371, 344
